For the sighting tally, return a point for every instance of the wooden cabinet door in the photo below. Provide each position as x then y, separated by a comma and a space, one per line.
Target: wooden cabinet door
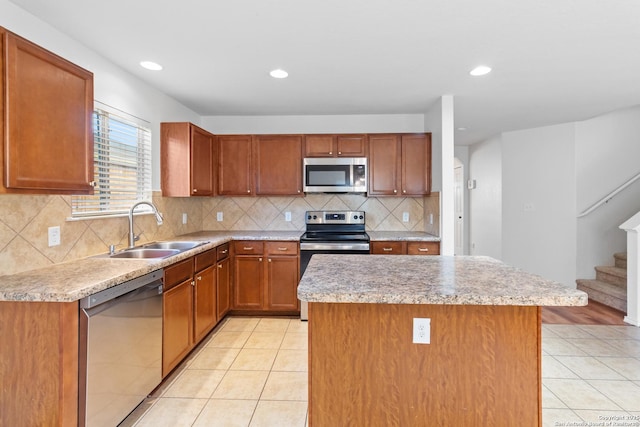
384, 156
278, 165
319, 145
177, 324
248, 281
388, 248
205, 307
223, 281
416, 165
202, 162
234, 165
46, 128
282, 283
351, 145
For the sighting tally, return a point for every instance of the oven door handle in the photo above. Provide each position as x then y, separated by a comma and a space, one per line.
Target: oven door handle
334, 246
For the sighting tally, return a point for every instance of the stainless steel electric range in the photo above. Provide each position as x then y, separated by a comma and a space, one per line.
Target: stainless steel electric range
332, 232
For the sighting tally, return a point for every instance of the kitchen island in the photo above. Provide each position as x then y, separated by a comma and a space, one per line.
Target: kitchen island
480, 367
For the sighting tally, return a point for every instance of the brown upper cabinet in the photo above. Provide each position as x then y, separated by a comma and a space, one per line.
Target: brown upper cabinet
335, 145
234, 165
45, 121
399, 164
278, 165
187, 157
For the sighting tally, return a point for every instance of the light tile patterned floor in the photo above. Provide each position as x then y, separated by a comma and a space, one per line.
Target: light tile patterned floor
253, 372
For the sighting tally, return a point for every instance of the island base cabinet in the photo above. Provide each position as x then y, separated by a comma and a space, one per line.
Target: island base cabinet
481, 368
39, 366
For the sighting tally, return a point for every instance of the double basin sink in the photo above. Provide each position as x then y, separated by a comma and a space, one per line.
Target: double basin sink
157, 250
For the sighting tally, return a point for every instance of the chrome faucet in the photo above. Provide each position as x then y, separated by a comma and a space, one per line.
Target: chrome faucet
133, 237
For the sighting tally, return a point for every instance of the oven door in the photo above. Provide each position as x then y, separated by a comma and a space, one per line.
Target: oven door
307, 250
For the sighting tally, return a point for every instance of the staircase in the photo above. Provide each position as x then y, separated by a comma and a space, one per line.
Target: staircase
610, 285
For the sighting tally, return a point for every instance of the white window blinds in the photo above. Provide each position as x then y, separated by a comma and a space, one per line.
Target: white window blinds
122, 166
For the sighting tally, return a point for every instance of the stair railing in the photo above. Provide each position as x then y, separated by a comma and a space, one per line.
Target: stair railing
609, 196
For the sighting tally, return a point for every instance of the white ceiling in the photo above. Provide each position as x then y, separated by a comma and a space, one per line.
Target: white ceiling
553, 61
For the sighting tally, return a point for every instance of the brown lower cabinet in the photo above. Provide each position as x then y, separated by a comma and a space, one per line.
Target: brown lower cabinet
266, 276
405, 248
223, 280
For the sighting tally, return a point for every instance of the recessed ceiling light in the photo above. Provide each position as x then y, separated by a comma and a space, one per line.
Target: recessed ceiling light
462, 129
150, 65
279, 74
480, 70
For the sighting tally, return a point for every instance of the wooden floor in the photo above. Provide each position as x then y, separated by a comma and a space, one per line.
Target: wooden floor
593, 313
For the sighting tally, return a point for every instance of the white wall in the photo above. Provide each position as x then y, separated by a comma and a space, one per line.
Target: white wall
112, 85
462, 153
607, 155
372, 123
485, 201
539, 201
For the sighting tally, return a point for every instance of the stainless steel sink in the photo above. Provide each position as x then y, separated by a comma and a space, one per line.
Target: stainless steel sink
179, 245
145, 253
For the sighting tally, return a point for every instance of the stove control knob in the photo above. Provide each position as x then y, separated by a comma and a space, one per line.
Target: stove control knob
309, 217
355, 217
361, 216
315, 217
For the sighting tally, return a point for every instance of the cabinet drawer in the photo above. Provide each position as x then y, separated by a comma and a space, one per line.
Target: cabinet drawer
222, 252
388, 248
281, 248
177, 273
205, 259
423, 248
248, 247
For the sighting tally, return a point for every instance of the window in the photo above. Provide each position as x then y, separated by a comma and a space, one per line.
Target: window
122, 165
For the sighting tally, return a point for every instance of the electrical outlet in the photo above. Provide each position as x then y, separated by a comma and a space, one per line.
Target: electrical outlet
430, 219
421, 331
184, 218
54, 236
219, 216
405, 216
287, 216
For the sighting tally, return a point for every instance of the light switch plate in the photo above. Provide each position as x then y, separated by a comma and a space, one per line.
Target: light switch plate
405, 216
287, 216
184, 218
219, 216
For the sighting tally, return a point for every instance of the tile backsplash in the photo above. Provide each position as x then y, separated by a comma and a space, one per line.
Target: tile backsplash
25, 219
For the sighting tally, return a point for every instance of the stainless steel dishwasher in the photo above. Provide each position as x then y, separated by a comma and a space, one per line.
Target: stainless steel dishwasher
120, 349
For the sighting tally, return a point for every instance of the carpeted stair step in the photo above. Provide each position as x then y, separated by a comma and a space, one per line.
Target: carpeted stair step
606, 293
621, 259
614, 275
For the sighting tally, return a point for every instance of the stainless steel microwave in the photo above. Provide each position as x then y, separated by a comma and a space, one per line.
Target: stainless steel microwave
335, 174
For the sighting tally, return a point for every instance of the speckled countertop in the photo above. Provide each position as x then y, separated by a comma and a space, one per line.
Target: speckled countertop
72, 281
408, 236
406, 279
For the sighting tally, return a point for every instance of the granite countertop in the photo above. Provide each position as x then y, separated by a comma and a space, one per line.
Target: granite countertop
408, 236
74, 280
406, 279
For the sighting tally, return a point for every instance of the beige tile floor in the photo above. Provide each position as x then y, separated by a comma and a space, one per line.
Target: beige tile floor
253, 372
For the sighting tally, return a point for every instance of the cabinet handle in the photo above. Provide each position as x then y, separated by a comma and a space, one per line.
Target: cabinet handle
269, 260
423, 249
387, 249
92, 183
404, 191
395, 191
199, 277
260, 259
248, 191
193, 283
244, 248
330, 152
339, 152
219, 265
283, 249
225, 251
195, 190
